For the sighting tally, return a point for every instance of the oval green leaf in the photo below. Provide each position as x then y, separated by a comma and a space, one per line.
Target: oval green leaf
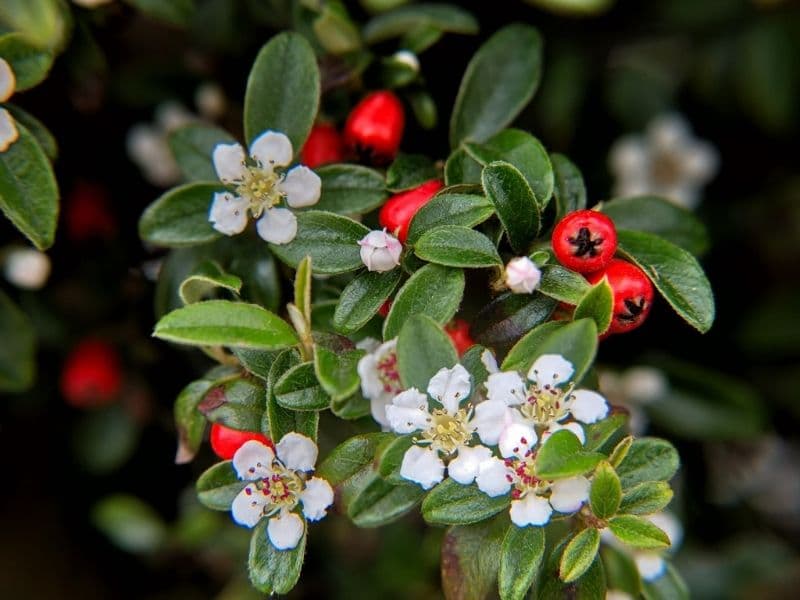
457, 246
192, 146
514, 203
451, 503
422, 349
350, 189
466, 210
180, 216
362, 298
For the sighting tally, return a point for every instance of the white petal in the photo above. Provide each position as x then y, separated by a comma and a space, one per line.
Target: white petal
297, 452
377, 407
587, 406
248, 506
489, 361
27, 268
450, 387
173, 115
277, 226
464, 468
516, 440
643, 384
370, 345
669, 131
408, 411
491, 417
506, 386
700, 162
301, 186
618, 595
228, 213
550, 369
573, 427
272, 149
649, 564
253, 460
494, 477
8, 130
567, 495
8, 81
669, 525
228, 162
422, 466
530, 510
628, 155
316, 498
285, 530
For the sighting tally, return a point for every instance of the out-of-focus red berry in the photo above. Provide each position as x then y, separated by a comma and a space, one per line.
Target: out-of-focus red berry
585, 241
458, 330
323, 146
375, 127
385, 308
88, 213
226, 441
91, 375
398, 211
633, 294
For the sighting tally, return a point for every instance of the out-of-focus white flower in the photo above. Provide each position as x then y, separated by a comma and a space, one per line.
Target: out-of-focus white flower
210, 100
380, 251
8, 127
407, 58
633, 389
522, 276
27, 268
380, 379
91, 3
666, 161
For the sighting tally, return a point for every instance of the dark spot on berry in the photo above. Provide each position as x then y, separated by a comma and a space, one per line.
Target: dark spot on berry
584, 244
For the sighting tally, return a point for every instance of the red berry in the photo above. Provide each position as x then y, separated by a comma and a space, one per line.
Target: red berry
324, 145
375, 126
91, 375
633, 294
88, 214
398, 211
458, 330
385, 308
585, 241
226, 441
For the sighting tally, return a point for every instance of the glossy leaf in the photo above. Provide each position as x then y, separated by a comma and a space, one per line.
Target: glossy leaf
520, 558
471, 559
208, 277
451, 503
190, 422
350, 189
510, 316
298, 389
605, 494
646, 498
337, 371
598, 305
569, 190
192, 146
422, 349
218, 486
466, 210
456, 246
562, 455
238, 404
649, 459
579, 554
279, 420
17, 352
362, 298
180, 216
29, 63
274, 571
513, 202
638, 532
405, 19
562, 284
408, 171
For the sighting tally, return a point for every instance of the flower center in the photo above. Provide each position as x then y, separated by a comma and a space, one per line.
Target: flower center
666, 168
524, 476
388, 374
281, 489
448, 431
259, 187
545, 405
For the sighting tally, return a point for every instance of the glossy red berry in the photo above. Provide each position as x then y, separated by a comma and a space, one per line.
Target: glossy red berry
91, 375
375, 126
398, 211
585, 241
88, 213
458, 330
385, 308
226, 441
323, 146
633, 294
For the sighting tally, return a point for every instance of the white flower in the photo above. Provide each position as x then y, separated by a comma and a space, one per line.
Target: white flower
541, 403
27, 268
259, 188
277, 485
210, 100
407, 58
91, 3
634, 388
522, 275
380, 379
380, 251
8, 127
667, 161
446, 431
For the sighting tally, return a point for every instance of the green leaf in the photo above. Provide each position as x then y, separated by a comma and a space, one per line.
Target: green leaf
526, 153
646, 498
390, 456
29, 63
471, 559
605, 494
225, 323
603, 435
238, 403
518, 358
370, 501
298, 389
562, 455
129, 523
514, 203
591, 586
218, 486
337, 371
352, 455
461, 168
274, 571
569, 190
520, 558
353, 407
579, 555
190, 422
510, 316
45, 23
466, 210
350, 189
205, 279
649, 459
451, 503
660, 217
471, 361
335, 30
17, 352
279, 420
180, 216
28, 189
422, 349
409, 171
638, 532
669, 586
176, 12
37, 129
362, 298
302, 288
620, 451
511, 59
675, 273
597, 304
456, 246
257, 362
405, 19
621, 570
433, 290
192, 146
562, 284
283, 90
330, 240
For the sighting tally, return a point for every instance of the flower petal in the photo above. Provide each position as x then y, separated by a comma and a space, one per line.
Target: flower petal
272, 149
408, 411
297, 452
530, 510
516, 440
247, 507
489, 361
316, 498
567, 495
628, 157
587, 406
285, 530
550, 370
301, 186
277, 226
668, 132
494, 477
490, 419
506, 386
573, 427
8, 81
253, 460
464, 468
450, 387
8, 130
422, 466
649, 564
228, 213
229, 162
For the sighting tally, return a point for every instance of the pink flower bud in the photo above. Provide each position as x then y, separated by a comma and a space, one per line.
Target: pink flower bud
522, 275
380, 251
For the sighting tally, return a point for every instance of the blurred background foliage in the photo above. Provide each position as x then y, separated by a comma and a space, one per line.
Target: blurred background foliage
94, 504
